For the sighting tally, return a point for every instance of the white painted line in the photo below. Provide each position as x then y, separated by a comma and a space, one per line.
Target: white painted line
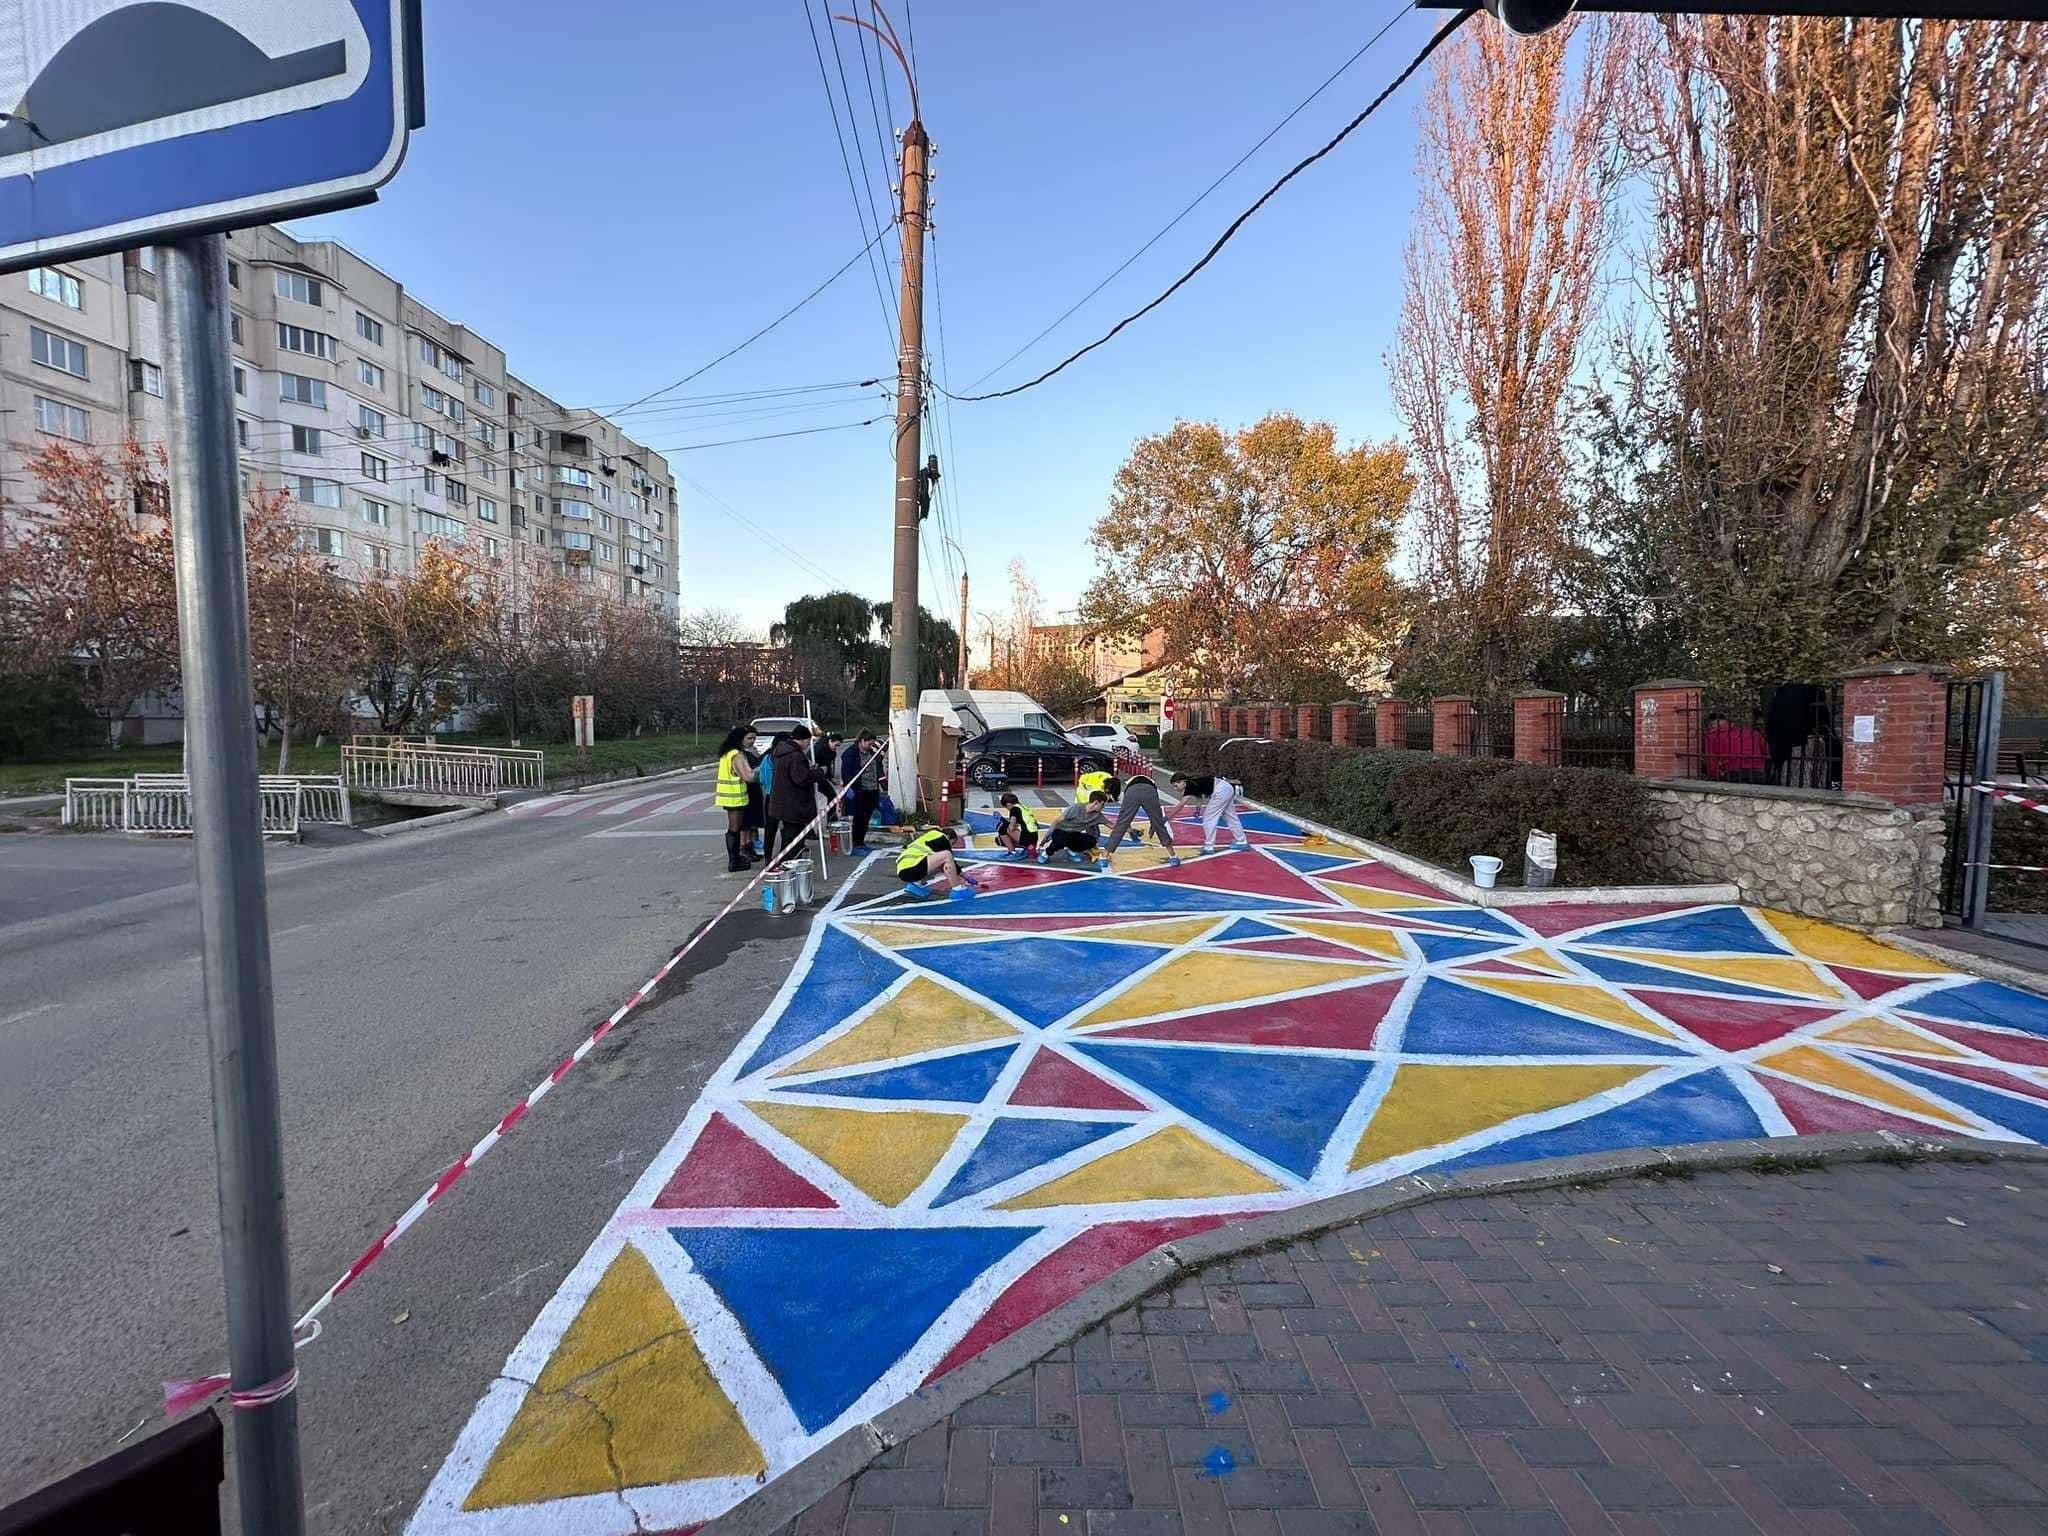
635, 831
620, 807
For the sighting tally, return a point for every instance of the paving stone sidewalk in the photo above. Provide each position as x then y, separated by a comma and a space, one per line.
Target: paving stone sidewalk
1855, 1351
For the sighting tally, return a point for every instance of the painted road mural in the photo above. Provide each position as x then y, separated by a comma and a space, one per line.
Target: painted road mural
957, 1115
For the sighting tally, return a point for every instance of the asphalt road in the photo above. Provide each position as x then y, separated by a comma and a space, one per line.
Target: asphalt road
423, 985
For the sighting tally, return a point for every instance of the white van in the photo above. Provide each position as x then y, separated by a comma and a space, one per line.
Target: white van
973, 711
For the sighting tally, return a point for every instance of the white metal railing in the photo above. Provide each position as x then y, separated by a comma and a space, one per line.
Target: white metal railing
460, 772
322, 797
161, 805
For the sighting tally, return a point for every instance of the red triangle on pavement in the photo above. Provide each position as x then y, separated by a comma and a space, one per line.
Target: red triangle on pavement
2027, 1050
1869, 984
1054, 1082
728, 1170
1552, 919
1343, 1021
1316, 949
1812, 1112
1253, 873
1731, 1023
1063, 1274
1383, 877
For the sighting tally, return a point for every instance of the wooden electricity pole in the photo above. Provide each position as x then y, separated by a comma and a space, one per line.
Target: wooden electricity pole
903, 685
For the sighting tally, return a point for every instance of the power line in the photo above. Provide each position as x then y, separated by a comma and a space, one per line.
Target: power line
1200, 197
794, 554
864, 194
1441, 36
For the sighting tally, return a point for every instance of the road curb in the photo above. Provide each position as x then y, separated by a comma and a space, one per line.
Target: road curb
2033, 982
425, 823
784, 1498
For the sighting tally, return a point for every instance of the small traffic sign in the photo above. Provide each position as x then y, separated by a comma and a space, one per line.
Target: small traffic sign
126, 122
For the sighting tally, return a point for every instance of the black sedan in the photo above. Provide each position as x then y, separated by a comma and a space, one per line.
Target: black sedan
1024, 756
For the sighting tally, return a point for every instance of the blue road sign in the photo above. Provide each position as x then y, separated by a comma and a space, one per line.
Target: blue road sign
125, 122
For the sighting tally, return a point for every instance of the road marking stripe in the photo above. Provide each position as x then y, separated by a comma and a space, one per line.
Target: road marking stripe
620, 807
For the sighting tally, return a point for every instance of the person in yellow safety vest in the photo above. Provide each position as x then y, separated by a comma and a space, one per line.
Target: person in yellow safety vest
1092, 780
927, 868
1017, 830
735, 772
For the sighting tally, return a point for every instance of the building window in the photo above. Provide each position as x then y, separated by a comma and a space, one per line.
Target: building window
241, 381
569, 474
315, 493
145, 258
146, 378
484, 433
422, 435
242, 430
491, 547
377, 512
571, 539
484, 394
580, 510
234, 274
61, 420
604, 522
511, 405
540, 534
296, 285
458, 493
300, 390
430, 482
435, 526
439, 357
605, 551
324, 541
604, 494
486, 510
235, 329
375, 468
305, 440
654, 546
58, 352
58, 287
370, 330
372, 422
296, 338
380, 559
370, 374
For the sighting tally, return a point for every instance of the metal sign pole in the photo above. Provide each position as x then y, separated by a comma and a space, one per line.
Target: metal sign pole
234, 928
1982, 749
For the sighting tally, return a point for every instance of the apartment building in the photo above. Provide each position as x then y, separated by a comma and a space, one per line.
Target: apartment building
386, 423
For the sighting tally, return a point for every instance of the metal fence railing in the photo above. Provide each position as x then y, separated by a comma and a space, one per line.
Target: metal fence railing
1420, 732
468, 773
1590, 736
322, 797
160, 805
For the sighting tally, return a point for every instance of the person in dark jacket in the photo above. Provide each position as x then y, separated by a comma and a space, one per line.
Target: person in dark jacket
792, 797
860, 769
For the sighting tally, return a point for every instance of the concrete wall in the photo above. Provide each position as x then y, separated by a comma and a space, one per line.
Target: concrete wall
1843, 857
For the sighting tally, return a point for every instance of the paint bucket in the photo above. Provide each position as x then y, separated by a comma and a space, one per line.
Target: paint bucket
801, 868
780, 891
1485, 870
840, 838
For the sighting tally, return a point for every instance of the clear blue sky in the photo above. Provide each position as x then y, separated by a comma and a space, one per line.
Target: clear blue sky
616, 193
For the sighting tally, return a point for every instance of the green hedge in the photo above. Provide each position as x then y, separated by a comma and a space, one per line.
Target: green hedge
1443, 809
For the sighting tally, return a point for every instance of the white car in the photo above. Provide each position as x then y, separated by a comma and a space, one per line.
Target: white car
1107, 738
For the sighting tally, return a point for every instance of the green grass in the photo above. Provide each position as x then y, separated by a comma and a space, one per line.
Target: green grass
616, 758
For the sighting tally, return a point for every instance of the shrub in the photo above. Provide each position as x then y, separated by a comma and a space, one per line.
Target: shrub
1191, 751
1255, 765
2018, 836
1305, 768
1358, 794
1452, 808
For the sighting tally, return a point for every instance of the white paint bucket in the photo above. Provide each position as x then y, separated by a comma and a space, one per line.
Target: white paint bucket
1485, 870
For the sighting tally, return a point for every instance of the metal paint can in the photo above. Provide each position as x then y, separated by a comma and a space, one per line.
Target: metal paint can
842, 835
781, 891
800, 870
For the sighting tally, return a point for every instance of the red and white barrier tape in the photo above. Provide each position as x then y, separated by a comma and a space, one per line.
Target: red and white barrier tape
2000, 792
180, 1396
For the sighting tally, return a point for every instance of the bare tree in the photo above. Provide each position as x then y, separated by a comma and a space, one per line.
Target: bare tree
1844, 396
1503, 282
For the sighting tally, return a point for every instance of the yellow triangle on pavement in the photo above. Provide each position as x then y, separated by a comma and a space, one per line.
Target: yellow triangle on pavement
1813, 1065
886, 1154
1208, 978
1887, 1036
644, 1407
1372, 898
924, 1016
1171, 1164
1781, 973
1840, 946
1172, 930
1427, 1105
1379, 941
1542, 960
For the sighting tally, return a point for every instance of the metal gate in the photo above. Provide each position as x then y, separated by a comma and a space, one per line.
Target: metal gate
1970, 759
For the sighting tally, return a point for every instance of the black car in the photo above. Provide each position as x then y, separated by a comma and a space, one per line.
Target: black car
1021, 755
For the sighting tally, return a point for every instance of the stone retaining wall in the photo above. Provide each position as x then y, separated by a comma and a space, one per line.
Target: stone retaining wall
1847, 858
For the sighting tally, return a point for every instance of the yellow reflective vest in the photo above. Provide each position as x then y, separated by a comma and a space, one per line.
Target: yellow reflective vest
1091, 781
919, 848
732, 789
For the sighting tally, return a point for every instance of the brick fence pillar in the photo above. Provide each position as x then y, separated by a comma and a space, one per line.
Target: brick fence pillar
1895, 732
1312, 722
1668, 729
1239, 722
1390, 723
1450, 726
1539, 728
1344, 725
1280, 721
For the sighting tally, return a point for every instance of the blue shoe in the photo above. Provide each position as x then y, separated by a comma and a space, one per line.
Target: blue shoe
1044, 857
862, 849
1240, 847
1173, 861
1102, 866
918, 889
961, 893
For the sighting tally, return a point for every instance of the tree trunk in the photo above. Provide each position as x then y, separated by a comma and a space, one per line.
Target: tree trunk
284, 746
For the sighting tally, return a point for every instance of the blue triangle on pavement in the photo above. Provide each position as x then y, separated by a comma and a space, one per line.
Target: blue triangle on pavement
1717, 930
829, 1310
1448, 946
1281, 1105
1634, 974
1038, 980
1453, 1020
2024, 1117
1985, 1002
1011, 1146
1252, 928
844, 977
1311, 863
962, 1079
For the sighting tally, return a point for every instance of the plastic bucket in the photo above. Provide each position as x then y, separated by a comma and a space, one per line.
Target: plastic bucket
1485, 870
800, 880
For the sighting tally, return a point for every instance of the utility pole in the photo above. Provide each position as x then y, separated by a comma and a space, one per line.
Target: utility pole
963, 627
903, 684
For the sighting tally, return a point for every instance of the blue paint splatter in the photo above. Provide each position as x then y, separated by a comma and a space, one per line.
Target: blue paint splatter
1458, 1363
1217, 1461
1877, 1258
1217, 1402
